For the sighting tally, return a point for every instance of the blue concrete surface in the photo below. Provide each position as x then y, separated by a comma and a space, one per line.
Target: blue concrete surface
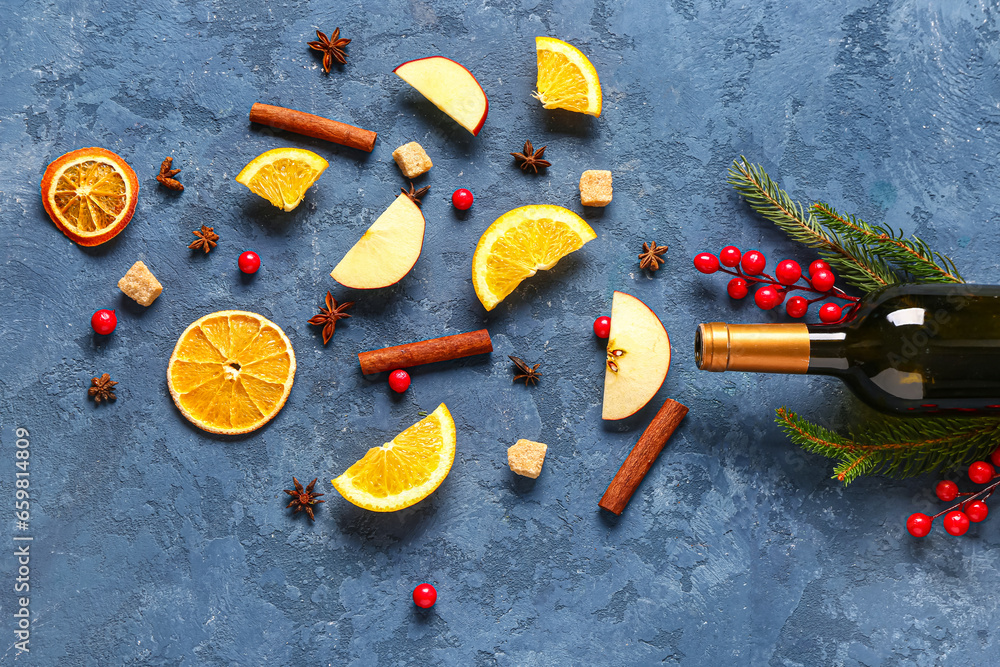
157, 544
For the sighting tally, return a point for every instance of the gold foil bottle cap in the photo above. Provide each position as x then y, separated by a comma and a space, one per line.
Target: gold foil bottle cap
762, 348
711, 346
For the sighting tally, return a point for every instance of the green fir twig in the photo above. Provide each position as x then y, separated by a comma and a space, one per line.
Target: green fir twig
855, 264
910, 255
895, 446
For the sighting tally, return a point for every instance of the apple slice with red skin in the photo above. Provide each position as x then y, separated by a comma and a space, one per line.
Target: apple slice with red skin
638, 357
386, 251
451, 88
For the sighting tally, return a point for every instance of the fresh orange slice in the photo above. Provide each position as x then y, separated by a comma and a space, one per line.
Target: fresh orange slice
282, 175
566, 79
404, 471
90, 194
522, 242
231, 371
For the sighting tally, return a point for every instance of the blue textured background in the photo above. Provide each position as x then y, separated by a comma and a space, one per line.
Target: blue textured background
157, 544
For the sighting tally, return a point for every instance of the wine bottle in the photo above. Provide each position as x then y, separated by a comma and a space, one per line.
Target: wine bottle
906, 349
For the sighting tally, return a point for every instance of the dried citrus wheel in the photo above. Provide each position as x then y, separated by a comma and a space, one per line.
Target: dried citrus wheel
404, 471
90, 194
231, 371
283, 175
566, 79
522, 242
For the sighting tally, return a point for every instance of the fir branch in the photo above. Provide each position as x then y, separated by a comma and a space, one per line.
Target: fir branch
866, 271
765, 197
910, 255
896, 446
855, 263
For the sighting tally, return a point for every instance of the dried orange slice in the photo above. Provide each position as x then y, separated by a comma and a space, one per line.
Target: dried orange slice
90, 194
404, 471
522, 242
231, 371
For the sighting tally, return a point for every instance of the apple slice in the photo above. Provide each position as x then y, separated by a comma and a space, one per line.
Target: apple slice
638, 357
387, 251
451, 88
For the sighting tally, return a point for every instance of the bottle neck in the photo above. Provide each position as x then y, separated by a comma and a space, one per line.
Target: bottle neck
770, 348
827, 350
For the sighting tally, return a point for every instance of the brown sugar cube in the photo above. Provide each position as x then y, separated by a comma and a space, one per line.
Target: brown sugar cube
140, 284
526, 458
595, 187
412, 159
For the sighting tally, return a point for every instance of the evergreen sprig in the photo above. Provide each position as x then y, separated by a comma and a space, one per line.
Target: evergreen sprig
911, 256
855, 264
895, 446
868, 257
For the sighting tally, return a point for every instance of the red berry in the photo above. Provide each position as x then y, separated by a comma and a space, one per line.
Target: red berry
767, 297
424, 596
706, 262
249, 262
461, 199
787, 272
976, 511
602, 326
753, 262
796, 306
818, 265
399, 381
919, 524
822, 280
995, 456
737, 288
104, 321
829, 312
956, 523
981, 472
946, 490
730, 256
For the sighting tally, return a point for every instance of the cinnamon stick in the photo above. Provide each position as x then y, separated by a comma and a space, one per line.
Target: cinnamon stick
426, 352
313, 126
642, 456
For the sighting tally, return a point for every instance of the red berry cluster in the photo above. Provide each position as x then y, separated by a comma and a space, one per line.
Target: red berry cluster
972, 509
748, 268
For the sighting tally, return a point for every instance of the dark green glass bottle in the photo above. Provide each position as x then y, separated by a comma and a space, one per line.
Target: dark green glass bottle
907, 349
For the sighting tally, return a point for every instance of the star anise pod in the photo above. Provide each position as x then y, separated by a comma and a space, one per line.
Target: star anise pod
206, 239
304, 499
525, 372
327, 317
102, 389
415, 195
530, 158
166, 175
651, 256
332, 48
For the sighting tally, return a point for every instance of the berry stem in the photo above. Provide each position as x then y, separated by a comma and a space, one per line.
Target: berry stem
985, 493
834, 292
